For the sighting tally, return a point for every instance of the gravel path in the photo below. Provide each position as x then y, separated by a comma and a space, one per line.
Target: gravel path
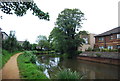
10, 70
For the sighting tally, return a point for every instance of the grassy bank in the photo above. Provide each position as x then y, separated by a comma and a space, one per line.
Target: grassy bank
28, 68
5, 56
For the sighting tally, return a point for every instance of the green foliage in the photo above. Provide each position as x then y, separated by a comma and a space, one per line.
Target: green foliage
89, 49
26, 45
11, 43
79, 52
6, 56
64, 37
33, 59
109, 50
41, 68
33, 46
98, 54
67, 74
43, 42
20, 9
29, 70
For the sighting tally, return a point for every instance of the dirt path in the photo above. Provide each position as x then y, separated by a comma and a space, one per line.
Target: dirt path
10, 70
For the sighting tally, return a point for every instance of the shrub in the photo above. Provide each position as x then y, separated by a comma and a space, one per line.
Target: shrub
79, 52
41, 68
96, 49
89, 49
98, 54
33, 59
68, 74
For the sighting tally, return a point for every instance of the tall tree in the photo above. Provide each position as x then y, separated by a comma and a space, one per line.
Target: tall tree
26, 45
20, 9
64, 34
42, 42
11, 43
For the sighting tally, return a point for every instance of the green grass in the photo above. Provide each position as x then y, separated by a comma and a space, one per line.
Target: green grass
5, 56
28, 69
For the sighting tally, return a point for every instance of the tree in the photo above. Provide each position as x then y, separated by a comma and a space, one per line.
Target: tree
20, 9
34, 46
11, 43
43, 42
64, 34
26, 45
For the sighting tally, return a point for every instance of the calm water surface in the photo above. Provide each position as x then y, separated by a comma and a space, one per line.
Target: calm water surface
91, 70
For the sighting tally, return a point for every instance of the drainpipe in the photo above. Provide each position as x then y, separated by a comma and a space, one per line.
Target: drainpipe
105, 42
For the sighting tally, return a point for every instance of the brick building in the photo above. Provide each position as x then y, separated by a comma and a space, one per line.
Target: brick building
109, 39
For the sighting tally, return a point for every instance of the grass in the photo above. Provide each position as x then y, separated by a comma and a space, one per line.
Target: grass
28, 69
67, 74
5, 56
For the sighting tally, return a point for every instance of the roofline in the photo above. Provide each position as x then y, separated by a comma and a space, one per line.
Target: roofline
107, 31
5, 33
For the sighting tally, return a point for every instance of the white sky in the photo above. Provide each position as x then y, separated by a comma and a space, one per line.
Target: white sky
101, 15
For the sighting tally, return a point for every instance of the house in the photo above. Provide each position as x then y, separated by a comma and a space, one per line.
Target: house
21, 42
109, 39
89, 42
3, 35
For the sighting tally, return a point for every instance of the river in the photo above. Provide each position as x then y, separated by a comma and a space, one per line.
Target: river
90, 70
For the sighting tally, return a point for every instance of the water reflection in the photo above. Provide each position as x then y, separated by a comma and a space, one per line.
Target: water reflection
90, 69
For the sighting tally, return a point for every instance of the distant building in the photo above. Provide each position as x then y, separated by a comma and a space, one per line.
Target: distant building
3, 35
109, 39
21, 42
89, 42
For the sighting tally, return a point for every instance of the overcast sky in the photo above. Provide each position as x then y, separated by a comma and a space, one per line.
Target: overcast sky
101, 15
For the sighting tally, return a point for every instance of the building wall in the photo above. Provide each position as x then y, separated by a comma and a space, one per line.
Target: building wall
110, 40
4, 36
91, 42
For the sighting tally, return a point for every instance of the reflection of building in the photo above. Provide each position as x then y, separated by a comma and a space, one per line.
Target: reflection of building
109, 39
89, 42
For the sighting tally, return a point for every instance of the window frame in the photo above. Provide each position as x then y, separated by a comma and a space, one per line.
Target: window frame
101, 38
118, 36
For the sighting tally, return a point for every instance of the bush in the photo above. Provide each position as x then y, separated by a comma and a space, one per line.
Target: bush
98, 54
41, 68
33, 59
68, 74
27, 69
79, 52
109, 50
89, 49
96, 49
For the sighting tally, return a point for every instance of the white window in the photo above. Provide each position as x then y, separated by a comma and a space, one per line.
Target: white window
111, 37
118, 36
110, 47
101, 47
101, 39
86, 40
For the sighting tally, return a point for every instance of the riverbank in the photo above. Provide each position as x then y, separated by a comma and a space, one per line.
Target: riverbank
28, 68
100, 60
101, 57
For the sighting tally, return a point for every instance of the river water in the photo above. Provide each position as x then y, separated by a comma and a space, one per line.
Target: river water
90, 70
